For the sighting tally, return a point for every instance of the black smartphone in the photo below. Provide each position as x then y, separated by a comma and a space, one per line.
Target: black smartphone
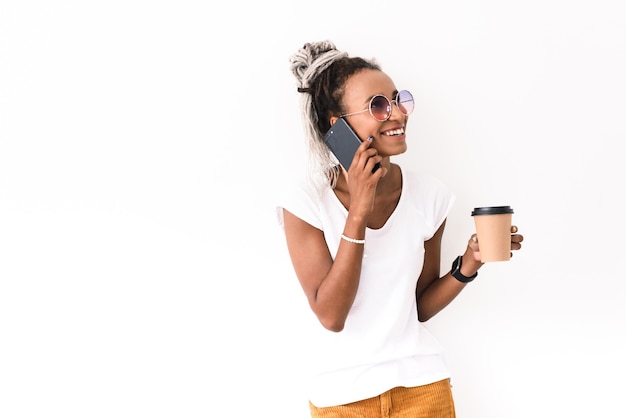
342, 141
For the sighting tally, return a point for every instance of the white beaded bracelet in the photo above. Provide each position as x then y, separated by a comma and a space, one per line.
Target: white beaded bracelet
352, 240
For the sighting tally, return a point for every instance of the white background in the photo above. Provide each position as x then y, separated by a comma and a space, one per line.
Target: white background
143, 146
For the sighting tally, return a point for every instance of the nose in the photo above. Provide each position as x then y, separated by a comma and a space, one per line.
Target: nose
395, 111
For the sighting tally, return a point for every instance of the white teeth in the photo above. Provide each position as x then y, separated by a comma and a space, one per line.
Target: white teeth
395, 132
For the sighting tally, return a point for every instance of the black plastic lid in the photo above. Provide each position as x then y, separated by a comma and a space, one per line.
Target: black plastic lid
492, 210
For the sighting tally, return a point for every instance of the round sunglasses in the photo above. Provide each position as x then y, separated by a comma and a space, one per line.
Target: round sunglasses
380, 106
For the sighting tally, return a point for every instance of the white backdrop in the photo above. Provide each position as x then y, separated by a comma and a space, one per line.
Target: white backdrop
142, 148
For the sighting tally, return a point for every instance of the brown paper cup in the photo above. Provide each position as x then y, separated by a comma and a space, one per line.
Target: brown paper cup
493, 229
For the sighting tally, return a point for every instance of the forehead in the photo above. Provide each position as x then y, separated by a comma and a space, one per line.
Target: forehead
367, 83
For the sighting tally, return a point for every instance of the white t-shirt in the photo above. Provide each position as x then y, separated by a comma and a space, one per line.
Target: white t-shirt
382, 345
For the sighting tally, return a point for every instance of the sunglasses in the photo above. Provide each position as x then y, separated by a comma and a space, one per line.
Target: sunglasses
380, 106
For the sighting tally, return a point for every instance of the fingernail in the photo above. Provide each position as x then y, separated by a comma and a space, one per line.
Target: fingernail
371, 138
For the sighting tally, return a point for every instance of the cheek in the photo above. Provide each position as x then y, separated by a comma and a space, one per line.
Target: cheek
366, 129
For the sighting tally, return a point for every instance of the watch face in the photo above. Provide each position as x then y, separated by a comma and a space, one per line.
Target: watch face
456, 264
456, 271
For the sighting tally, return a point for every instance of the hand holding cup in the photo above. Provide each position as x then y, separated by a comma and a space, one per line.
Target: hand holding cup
495, 236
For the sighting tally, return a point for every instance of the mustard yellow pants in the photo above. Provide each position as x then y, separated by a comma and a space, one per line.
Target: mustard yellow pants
428, 401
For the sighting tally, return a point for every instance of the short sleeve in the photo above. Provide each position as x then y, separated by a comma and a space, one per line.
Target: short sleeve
300, 198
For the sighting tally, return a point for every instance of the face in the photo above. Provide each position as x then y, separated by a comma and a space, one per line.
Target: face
389, 136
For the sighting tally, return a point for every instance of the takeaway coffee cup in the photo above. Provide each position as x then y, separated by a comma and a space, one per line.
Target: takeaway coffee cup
493, 229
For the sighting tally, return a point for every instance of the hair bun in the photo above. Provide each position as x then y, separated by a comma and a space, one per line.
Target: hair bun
312, 59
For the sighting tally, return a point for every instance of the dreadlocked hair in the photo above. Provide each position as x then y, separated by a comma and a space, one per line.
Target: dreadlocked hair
321, 72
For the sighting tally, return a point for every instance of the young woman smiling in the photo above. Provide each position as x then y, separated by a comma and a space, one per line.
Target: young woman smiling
365, 245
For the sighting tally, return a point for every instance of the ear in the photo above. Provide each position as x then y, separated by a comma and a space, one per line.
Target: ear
333, 119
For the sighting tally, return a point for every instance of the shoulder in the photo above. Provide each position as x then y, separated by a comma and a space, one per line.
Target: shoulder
303, 198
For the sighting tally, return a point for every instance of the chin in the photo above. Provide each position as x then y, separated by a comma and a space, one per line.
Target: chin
401, 150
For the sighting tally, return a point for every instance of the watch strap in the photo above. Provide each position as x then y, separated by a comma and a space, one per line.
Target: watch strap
456, 271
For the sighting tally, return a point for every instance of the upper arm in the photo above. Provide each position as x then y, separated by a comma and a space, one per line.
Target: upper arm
432, 260
309, 253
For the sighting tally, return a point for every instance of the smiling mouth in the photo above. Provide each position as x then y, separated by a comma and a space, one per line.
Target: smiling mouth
394, 132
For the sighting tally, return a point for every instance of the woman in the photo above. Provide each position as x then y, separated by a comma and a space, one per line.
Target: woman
365, 245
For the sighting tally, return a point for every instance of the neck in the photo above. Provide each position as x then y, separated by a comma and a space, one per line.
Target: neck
391, 179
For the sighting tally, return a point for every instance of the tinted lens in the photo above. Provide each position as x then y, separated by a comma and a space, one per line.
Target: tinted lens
380, 108
405, 102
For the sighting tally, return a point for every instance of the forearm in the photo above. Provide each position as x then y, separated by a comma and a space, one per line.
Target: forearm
444, 290
337, 291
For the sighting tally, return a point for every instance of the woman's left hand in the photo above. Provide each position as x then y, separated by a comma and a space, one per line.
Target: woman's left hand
516, 243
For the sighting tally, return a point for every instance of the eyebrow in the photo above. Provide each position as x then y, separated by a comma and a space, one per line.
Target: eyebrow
393, 95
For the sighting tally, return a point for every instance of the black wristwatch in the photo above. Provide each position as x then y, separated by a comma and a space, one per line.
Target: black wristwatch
456, 271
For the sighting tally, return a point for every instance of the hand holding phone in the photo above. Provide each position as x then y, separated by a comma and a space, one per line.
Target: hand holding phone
343, 142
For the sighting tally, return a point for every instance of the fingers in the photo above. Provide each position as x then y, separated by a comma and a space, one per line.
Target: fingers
516, 241
473, 242
516, 238
367, 158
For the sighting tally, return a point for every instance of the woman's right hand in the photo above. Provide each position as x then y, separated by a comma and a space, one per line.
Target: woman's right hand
362, 178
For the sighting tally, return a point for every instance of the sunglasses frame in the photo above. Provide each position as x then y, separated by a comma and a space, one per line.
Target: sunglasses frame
391, 103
